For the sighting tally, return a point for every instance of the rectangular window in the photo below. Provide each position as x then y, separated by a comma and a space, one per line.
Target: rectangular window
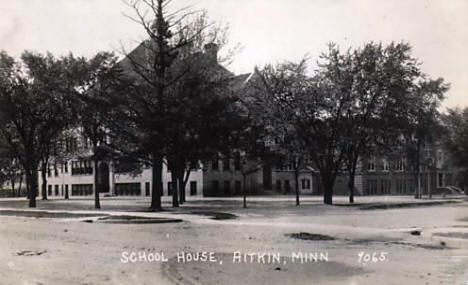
371, 164
49, 190
399, 187
439, 159
227, 187
193, 188
147, 189
82, 167
55, 170
287, 186
385, 186
226, 164
215, 186
127, 189
278, 185
56, 190
385, 165
371, 187
82, 189
400, 165
237, 186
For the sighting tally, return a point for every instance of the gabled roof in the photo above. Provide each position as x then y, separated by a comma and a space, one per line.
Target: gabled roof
142, 52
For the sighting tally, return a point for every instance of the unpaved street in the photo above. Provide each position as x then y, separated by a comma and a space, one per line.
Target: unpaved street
404, 245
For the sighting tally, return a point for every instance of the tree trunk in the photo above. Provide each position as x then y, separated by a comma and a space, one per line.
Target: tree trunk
327, 190
352, 176
181, 184
351, 187
431, 170
97, 204
20, 184
296, 178
175, 189
44, 180
417, 193
244, 190
12, 181
327, 197
33, 185
157, 184
28, 184
185, 180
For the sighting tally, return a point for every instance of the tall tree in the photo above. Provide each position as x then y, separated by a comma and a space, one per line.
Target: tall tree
455, 122
284, 85
146, 119
250, 130
100, 78
422, 125
34, 108
199, 132
382, 86
357, 100
320, 122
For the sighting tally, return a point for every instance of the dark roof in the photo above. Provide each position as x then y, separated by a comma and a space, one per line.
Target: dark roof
141, 54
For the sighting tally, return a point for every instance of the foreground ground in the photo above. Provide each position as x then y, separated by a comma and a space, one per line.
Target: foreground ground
67, 242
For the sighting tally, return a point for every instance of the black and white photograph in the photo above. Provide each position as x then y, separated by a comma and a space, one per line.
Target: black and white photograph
233, 142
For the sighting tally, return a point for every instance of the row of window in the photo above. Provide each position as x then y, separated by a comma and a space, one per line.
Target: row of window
193, 188
127, 189
226, 190
403, 186
81, 167
72, 145
226, 162
77, 168
281, 185
305, 184
56, 190
384, 186
399, 165
121, 189
82, 189
134, 189
55, 167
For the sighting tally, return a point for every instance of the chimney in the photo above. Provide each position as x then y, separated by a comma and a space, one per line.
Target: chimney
211, 52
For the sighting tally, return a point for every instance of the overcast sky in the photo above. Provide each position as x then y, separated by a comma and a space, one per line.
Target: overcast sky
270, 31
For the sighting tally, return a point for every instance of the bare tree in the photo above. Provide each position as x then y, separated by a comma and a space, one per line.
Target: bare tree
151, 118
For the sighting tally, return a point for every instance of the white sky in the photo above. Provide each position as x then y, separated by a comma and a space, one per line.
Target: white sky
270, 31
